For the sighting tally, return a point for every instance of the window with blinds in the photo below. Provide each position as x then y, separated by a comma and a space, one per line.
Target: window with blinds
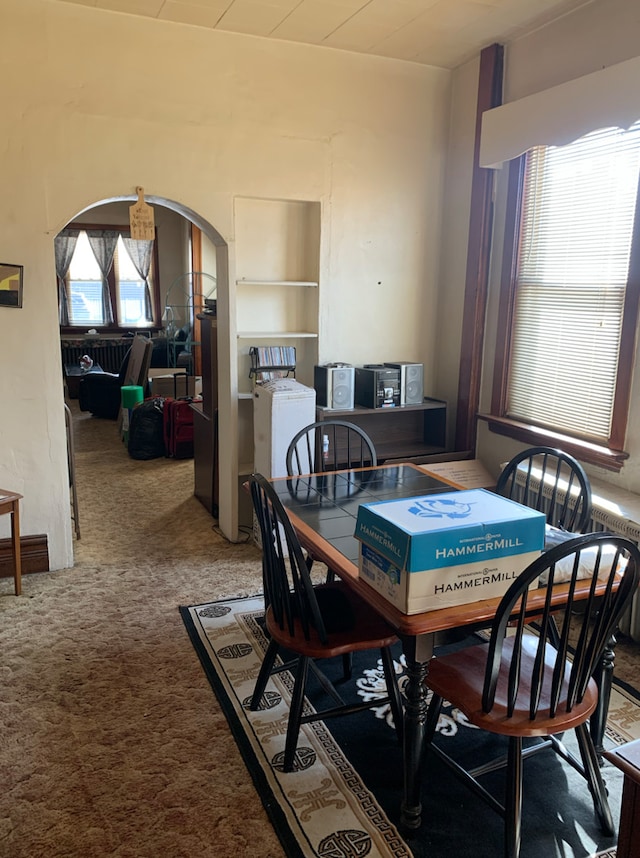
573, 258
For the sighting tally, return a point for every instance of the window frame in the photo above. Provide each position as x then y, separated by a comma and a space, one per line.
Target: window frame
115, 327
612, 455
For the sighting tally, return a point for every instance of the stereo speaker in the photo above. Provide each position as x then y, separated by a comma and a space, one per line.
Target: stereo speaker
377, 386
411, 382
335, 385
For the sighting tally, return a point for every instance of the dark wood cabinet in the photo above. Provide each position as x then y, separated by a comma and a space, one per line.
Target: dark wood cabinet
205, 419
403, 433
209, 357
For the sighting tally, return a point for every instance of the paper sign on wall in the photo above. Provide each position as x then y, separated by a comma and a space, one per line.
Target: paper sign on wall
141, 220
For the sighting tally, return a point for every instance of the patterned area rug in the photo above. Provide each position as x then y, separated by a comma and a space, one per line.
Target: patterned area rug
343, 799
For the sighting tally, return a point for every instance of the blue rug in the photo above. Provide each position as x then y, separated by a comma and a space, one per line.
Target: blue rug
344, 800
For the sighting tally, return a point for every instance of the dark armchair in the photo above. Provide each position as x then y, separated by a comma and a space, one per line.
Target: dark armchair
99, 392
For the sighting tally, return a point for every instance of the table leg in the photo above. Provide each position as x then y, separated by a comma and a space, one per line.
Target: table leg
604, 679
15, 540
418, 651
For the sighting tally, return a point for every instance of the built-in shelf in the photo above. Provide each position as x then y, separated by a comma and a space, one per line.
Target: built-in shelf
399, 434
309, 283
276, 279
275, 335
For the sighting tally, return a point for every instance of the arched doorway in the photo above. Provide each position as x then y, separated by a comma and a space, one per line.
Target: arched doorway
185, 243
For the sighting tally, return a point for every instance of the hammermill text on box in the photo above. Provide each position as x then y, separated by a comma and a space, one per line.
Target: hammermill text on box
446, 549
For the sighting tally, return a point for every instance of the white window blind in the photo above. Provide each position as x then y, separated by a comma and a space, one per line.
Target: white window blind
573, 261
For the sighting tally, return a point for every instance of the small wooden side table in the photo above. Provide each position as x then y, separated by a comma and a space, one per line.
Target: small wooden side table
10, 502
627, 759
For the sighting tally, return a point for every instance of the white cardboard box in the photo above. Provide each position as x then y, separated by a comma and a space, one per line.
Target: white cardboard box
446, 549
161, 382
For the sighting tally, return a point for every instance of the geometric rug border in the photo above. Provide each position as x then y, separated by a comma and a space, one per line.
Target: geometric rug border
631, 691
269, 796
252, 764
330, 813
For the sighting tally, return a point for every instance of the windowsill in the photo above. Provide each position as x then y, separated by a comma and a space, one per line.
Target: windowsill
593, 454
113, 333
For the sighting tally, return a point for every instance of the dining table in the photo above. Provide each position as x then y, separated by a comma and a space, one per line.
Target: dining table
323, 509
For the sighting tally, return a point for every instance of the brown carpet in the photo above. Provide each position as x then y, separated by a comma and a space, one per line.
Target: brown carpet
112, 743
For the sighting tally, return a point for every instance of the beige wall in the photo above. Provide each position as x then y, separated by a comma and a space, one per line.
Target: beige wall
96, 103
598, 35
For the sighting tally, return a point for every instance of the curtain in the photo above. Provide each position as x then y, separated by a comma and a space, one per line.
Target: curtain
140, 252
64, 245
103, 243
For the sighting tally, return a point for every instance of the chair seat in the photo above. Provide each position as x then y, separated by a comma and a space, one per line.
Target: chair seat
357, 628
312, 622
462, 675
522, 685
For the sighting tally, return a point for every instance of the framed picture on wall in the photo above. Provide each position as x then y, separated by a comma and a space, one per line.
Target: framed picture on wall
10, 285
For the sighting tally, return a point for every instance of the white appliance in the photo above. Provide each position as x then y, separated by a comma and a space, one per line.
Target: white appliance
280, 408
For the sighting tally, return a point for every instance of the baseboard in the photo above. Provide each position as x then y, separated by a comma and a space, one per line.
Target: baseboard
34, 555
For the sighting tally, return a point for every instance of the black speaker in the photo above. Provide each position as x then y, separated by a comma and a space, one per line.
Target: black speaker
335, 386
411, 381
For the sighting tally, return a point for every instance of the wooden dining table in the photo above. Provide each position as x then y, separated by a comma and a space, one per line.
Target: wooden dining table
323, 509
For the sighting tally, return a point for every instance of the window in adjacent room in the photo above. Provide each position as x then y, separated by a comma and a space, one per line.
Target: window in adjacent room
570, 294
123, 298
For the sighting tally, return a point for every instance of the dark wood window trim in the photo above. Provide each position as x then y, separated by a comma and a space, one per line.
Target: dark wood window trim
611, 456
594, 454
111, 280
478, 256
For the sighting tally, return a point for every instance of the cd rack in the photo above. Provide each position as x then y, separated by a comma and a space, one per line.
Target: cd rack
271, 362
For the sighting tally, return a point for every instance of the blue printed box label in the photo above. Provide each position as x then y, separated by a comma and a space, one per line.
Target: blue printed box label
449, 529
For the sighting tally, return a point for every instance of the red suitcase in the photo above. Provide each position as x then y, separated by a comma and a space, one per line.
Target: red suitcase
178, 426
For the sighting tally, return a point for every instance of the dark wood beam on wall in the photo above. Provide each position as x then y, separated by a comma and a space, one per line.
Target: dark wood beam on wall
196, 265
478, 257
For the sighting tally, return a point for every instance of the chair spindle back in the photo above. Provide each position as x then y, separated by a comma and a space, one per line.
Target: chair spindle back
610, 565
288, 589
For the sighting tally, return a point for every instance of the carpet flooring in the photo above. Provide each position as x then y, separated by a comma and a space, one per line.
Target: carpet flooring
112, 742
343, 798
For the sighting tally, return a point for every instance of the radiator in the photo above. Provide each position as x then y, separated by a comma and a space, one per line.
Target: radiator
108, 353
611, 512
617, 511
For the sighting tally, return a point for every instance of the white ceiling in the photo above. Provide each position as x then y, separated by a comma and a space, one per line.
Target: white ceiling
442, 33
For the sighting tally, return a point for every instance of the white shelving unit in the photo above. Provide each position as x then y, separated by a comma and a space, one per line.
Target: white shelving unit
276, 302
276, 283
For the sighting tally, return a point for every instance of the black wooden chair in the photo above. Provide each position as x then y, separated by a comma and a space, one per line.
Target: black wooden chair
329, 445
555, 483
524, 686
552, 482
311, 622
